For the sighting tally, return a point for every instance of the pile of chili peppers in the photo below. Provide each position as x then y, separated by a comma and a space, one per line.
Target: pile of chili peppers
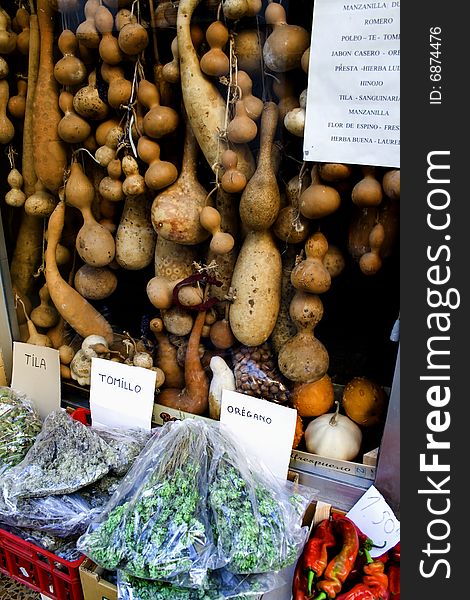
336, 563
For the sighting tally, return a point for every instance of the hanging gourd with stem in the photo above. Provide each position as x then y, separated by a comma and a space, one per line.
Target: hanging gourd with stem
94, 243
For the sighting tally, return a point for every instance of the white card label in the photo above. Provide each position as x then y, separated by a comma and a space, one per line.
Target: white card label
376, 519
36, 373
353, 97
121, 395
264, 429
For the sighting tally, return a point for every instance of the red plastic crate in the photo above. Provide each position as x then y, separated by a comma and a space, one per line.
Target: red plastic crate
38, 569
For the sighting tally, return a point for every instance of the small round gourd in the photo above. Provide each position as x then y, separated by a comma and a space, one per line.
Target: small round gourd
334, 261
94, 243
159, 120
133, 37
233, 181
110, 187
237, 9
215, 62
107, 152
15, 196
69, 70
7, 129
119, 88
253, 105
87, 102
371, 262
22, 39
241, 129
87, 34
248, 46
45, 315
334, 172
221, 242
318, 200
17, 104
368, 191
310, 275
291, 226
72, 128
160, 173
95, 283
41, 203
391, 184
333, 436
108, 48
134, 183
171, 70
7, 36
286, 44
303, 358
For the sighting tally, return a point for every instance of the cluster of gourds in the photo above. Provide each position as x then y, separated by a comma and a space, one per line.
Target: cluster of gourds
95, 113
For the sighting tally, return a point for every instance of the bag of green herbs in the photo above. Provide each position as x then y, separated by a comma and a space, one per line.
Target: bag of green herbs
65, 457
222, 585
156, 526
19, 426
127, 443
257, 518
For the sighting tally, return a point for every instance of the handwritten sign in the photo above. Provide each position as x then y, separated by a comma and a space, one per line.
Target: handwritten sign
375, 518
121, 395
36, 373
264, 429
353, 97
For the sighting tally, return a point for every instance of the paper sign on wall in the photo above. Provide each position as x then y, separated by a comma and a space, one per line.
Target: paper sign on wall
375, 518
264, 429
353, 97
36, 373
121, 395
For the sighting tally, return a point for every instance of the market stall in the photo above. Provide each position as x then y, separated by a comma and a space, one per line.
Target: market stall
199, 234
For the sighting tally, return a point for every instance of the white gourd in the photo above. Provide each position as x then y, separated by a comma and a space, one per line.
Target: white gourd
334, 436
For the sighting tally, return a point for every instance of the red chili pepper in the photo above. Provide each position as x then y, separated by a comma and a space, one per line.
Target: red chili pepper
340, 566
376, 579
359, 592
315, 554
299, 583
393, 573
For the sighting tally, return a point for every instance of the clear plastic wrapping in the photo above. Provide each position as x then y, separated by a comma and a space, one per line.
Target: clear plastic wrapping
157, 526
60, 516
222, 585
19, 426
192, 504
256, 374
127, 443
258, 518
65, 457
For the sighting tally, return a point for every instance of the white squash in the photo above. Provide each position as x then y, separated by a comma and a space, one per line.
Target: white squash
334, 436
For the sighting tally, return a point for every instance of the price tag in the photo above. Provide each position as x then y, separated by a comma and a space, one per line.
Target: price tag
376, 519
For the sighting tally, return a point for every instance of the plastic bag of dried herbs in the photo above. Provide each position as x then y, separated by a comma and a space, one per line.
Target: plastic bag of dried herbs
222, 585
156, 526
65, 457
257, 518
128, 444
19, 426
60, 516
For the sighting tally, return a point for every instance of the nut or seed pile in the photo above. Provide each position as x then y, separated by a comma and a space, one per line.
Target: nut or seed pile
256, 374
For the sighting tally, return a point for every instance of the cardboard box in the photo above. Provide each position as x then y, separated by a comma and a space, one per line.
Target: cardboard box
95, 587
